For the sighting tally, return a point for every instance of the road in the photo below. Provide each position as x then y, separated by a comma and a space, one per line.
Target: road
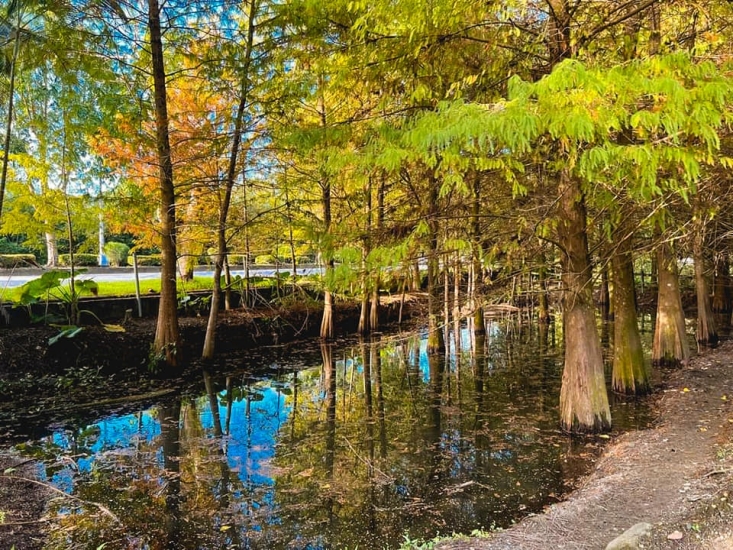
10, 279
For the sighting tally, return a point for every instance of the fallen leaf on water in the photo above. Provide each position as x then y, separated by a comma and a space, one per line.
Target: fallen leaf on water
675, 535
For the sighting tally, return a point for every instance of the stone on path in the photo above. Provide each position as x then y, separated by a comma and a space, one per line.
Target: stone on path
629, 539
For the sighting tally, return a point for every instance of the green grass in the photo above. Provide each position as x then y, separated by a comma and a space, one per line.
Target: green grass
147, 286
122, 288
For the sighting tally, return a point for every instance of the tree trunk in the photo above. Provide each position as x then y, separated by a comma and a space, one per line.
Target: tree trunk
221, 255
721, 285
374, 311
479, 327
670, 345
630, 373
9, 115
583, 397
707, 333
365, 318
166, 334
605, 298
436, 342
544, 305
52, 250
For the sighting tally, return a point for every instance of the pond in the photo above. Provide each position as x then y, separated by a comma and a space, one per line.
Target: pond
343, 446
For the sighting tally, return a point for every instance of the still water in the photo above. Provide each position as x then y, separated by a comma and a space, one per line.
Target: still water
352, 446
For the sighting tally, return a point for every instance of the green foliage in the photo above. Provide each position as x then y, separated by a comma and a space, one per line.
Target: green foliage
265, 259
148, 260
116, 253
86, 260
10, 261
51, 285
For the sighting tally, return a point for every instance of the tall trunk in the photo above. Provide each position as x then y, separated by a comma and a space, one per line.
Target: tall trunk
9, 115
327, 319
670, 345
475, 283
363, 327
364, 324
436, 343
166, 333
221, 255
707, 333
630, 373
325, 183
374, 311
583, 397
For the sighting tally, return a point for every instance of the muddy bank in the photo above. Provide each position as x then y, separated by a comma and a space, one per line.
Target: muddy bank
677, 476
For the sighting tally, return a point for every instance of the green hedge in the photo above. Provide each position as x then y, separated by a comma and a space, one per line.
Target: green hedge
9, 261
148, 259
86, 260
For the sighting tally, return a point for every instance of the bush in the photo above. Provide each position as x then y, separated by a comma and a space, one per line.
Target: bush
86, 260
148, 259
9, 261
116, 253
265, 259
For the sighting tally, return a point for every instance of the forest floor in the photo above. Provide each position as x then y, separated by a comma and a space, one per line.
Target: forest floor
676, 476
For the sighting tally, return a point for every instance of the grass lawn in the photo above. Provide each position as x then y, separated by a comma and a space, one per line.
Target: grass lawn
120, 288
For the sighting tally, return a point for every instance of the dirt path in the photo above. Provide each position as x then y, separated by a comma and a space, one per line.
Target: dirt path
676, 476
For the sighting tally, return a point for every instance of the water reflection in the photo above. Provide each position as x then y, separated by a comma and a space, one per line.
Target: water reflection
370, 443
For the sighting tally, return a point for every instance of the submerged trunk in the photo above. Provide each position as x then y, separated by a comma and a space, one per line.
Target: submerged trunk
543, 302
670, 345
436, 342
583, 397
630, 373
479, 327
166, 332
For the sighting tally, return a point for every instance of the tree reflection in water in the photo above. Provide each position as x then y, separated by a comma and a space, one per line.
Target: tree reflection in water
369, 444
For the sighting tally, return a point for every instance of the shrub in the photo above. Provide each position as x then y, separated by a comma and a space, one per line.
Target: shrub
116, 253
148, 259
265, 259
9, 261
87, 260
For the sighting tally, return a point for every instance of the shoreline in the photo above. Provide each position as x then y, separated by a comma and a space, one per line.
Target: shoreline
676, 476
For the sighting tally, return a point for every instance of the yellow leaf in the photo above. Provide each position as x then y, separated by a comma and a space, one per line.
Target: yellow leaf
685, 390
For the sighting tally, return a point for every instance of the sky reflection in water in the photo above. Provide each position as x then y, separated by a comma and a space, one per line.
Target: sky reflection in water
385, 442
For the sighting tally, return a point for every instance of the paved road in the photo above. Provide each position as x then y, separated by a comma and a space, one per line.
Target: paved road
10, 279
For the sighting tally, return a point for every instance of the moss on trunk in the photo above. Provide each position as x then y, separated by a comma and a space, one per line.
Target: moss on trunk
670, 345
583, 397
630, 372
